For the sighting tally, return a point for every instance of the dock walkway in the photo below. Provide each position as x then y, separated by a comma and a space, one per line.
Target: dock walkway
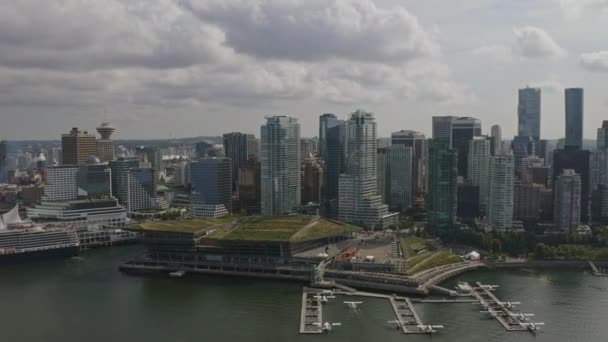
496, 308
311, 314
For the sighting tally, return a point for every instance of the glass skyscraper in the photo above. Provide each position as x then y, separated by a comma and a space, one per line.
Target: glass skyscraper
331, 149
443, 190
574, 117
528, 113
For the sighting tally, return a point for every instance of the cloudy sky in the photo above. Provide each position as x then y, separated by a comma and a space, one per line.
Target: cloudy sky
176, 68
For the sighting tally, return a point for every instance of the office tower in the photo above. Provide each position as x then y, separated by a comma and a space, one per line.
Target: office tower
579, 161
253, 147
120, 177
202, 148
542, 149
332, 134
443, 177
574, 118
77, 147
528, 113
534, 171
442, 128
417, 141
522, 146
602, 136
280, 163
400, 177
312, 179
250, 187
568, 203
468, 208
211, 187
105, 145
358, 201
141, 184
383, 174
236, 147
600, 204
495, 140
500, 193
308, 147
528, 201
94, 179
479, 167
61, 183
3, 161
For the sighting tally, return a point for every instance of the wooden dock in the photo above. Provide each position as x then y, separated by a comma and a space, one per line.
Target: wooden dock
496, 308
311, 314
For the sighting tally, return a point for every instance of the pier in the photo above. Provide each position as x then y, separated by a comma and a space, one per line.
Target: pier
311, 314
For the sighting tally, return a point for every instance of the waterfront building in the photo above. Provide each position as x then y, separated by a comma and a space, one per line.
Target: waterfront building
61, 183
211, 187
77, 147
312, 180
105, 145
443, 176
141, 184
528, 113
478, 169
500, 193
332, 133
358, 201
495, 140
84, 214
574, 117
236, 147
383, 174
250, 187
120, 169
568, 203
94, 179
417, 141
280, 165
400, 177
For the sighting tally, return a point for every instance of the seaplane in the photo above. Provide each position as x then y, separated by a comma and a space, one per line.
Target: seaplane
430, 329
489, 287
509, 305
324, 298
533, 327
522, 316
327, 327
353, 305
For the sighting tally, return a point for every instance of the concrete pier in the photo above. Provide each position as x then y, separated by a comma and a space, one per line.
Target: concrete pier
311, 314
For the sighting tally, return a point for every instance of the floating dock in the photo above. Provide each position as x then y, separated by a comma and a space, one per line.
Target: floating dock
311, 315
496, 308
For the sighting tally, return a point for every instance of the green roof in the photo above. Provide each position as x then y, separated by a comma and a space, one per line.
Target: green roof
183, 226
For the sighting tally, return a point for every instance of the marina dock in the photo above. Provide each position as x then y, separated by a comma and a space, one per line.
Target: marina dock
311, 315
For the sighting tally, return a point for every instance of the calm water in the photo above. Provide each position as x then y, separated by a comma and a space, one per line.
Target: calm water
89, 300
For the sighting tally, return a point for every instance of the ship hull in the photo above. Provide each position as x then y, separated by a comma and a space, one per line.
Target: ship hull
63, 252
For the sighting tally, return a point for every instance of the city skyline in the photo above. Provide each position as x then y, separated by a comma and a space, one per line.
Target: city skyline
170, 68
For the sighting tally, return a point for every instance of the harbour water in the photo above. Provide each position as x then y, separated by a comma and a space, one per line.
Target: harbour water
87, 299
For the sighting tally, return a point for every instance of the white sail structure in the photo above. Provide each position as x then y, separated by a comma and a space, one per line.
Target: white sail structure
11, 217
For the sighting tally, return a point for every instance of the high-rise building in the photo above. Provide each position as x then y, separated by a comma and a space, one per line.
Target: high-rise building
418, 143
567, 207
94, 179
236, 147
442, 128
443, 179
308, 146
253, 146
142, 190
202, 148
468, 206
459, 131
150, 157
528, 200
534, 171
479, 167
280, 165
3, 161
400, 177
211, 187
528, 113
500, 193
600, 204
77, 147
312, 179
495, 140
249, 187
61, 183
574, 117
579, 161
120, 177
383, 174
602, 136
105, 145
523, 146
358, 201
332, 133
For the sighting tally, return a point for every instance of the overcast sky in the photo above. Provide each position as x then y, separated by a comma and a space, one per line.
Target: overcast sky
176, 68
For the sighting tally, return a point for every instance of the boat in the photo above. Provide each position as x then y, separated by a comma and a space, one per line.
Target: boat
22, 240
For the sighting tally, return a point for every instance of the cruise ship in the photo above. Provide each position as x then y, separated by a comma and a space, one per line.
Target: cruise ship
22, 240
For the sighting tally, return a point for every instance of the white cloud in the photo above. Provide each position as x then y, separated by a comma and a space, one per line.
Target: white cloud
576, 9
534, 42
552, 84
595, 61
495, 53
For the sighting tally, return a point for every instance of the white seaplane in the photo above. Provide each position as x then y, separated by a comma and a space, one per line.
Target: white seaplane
430, 329
323, 298
533, 327
509, 305
489, 287
327, 327
522, 316
353, 305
